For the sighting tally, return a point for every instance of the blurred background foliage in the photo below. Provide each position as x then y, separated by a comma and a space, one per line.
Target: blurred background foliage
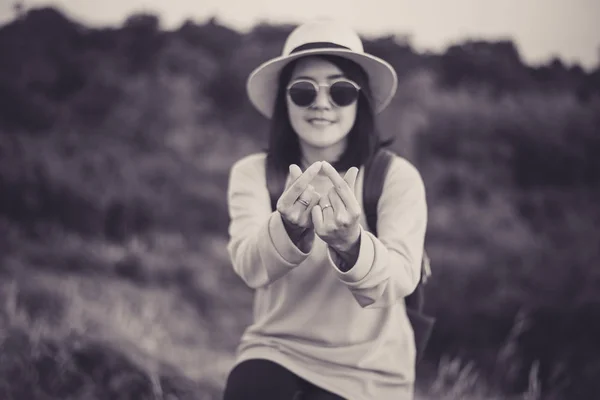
115, 148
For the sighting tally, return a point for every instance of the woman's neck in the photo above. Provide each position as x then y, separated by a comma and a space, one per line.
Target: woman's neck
312, 154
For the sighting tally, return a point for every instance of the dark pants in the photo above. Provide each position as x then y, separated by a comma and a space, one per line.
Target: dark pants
266, 380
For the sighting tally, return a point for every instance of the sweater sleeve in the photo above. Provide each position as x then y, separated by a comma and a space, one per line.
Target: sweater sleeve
259, 247
388, 267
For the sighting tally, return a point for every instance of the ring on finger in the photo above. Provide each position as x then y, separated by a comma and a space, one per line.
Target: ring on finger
326, 206
302, 201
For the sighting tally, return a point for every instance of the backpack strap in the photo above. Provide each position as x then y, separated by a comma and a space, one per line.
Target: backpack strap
375, 172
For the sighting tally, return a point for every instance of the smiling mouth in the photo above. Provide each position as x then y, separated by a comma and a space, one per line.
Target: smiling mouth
319, 121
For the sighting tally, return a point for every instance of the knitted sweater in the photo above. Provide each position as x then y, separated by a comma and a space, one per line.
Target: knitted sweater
346, 332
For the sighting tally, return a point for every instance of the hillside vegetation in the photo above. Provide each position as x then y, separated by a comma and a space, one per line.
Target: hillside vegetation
115, 148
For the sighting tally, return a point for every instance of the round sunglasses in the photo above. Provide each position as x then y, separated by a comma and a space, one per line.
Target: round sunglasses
341, 92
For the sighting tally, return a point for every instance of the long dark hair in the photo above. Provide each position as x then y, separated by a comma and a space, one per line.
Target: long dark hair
363, 139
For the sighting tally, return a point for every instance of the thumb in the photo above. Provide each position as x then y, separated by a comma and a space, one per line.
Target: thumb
295, 173
350, 177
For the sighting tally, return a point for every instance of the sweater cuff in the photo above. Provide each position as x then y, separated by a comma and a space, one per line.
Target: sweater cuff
364, 262
282, 242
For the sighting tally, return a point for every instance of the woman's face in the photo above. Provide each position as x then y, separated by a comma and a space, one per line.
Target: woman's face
322, 124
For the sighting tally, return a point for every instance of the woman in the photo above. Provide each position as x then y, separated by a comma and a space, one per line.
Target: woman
329, 317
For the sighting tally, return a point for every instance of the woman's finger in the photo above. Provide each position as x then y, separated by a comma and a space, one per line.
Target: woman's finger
327, 209
295, 173
298, 213
340, 184
311, 197
296, 188
315, 197
336, 202
317, 219
350, 178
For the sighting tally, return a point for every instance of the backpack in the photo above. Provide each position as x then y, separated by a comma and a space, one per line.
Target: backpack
374, 176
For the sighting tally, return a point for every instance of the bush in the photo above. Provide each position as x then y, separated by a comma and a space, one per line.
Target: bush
79, 369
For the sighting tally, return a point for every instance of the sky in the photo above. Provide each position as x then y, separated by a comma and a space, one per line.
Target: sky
541, 29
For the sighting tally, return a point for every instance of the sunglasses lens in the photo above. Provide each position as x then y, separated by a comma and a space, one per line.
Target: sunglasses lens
302, 93
343, 93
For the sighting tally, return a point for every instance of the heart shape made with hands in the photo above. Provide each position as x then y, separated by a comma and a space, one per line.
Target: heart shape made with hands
334, 215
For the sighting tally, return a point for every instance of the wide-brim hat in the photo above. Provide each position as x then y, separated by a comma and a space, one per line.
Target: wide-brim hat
318, 38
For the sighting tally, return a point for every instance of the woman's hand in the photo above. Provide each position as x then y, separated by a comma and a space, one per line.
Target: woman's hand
298, 199
336, 217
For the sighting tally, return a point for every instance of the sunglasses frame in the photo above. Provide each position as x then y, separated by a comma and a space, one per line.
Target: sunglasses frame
318, 87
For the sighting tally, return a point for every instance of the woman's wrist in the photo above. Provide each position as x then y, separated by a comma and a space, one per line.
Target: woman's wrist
346, 256
306, 241
295, 233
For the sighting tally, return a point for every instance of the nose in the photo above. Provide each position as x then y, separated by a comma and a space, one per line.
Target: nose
322, 100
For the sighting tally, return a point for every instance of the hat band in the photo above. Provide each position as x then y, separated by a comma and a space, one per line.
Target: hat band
318, 45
